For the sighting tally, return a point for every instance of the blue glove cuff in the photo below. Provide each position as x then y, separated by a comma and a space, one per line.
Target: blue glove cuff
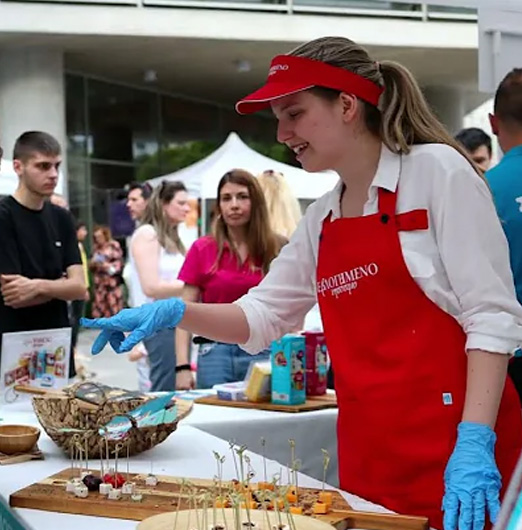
177, 307
478, 432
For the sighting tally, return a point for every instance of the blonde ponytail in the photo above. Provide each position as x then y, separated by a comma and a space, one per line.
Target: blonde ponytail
406, 118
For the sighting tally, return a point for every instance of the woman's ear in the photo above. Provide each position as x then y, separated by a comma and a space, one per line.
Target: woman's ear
349, 105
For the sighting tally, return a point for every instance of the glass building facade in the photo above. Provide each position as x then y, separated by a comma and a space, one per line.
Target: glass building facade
117, 134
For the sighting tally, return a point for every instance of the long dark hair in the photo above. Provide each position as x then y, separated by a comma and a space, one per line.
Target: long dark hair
262, 242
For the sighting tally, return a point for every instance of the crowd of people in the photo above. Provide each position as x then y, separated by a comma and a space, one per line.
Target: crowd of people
253, 218
414, 258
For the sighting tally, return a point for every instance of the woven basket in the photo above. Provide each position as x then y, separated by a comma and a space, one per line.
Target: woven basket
55, 412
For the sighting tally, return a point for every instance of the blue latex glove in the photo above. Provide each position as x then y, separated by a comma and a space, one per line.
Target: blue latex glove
472, 480
142, 321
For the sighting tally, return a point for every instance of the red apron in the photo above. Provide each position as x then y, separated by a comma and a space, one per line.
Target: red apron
400, 367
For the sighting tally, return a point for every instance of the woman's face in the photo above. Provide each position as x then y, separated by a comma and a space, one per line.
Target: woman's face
177, 209
234, 204
312, 127
99, 237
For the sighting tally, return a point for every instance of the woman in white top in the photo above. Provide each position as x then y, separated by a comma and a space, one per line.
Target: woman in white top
156, 256
410, 267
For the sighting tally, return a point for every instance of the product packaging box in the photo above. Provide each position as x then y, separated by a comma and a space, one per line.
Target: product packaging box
316, 363
289, 370
231, 391
258, 381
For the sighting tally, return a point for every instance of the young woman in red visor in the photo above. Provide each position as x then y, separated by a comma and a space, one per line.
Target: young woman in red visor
408, 262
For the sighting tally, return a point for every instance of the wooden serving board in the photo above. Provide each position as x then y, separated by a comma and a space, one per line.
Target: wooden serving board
328, 401
49, 495
225, 519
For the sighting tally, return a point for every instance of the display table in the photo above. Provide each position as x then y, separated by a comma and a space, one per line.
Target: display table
187, 452
312, 431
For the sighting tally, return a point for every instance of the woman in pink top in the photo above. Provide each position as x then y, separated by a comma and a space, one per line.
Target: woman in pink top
223, 267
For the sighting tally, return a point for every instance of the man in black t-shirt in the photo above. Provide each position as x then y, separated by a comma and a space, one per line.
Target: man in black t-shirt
40, 265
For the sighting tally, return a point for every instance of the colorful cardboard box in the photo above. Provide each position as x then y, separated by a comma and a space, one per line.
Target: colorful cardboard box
316, 363
289, 370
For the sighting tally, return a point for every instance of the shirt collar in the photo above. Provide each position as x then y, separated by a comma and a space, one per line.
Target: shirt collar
386, 176
514, 151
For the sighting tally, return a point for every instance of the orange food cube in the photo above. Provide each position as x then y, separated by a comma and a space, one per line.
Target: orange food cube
252, 505
326, 497
291, 496
296, 510
320, 508
265, 486
220, 503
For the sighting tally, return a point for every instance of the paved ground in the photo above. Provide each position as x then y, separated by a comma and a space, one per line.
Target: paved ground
110, 368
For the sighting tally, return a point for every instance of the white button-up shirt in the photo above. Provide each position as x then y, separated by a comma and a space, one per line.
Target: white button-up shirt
461, 262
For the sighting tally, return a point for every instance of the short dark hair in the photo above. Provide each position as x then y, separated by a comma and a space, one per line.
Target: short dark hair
472, 138
80, 224
35, 142
508, 98
144, 187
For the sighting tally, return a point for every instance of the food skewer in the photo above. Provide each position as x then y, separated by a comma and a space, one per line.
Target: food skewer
151, 479
128, 487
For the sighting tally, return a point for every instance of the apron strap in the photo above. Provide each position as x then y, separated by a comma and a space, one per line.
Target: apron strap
387, 202
407, 221
414, 220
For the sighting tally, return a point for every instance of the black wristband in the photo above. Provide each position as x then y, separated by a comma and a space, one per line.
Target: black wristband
182, 367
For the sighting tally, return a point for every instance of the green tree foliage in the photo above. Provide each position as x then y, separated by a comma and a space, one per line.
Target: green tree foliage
173, 158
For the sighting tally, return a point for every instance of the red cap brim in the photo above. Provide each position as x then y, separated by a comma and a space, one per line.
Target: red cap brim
261, 98
289, 74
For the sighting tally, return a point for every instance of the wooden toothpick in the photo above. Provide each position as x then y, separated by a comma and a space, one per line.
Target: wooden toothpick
117, 450
263, 453
231, 445
128, 459
326, 462
152, 440
86, 444
107, 453
100, 446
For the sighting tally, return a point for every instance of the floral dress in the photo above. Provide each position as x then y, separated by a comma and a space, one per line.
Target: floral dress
107, 266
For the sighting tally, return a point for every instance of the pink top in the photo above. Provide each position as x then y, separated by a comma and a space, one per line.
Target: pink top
225, 285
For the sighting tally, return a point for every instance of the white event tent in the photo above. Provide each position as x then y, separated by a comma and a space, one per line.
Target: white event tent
8, 178
202, 178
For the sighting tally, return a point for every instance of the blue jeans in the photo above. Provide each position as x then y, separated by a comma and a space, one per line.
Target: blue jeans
161, 349
224, 363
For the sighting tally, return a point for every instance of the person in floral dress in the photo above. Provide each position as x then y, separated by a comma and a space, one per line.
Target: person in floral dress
106, 265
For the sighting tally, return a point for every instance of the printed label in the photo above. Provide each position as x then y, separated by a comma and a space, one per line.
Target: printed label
346, 281
447, 398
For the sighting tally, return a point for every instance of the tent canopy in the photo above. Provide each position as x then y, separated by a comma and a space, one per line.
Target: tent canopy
202, 178
9, 179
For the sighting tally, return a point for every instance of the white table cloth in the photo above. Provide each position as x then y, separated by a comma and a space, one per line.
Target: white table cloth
312, 431
187, 452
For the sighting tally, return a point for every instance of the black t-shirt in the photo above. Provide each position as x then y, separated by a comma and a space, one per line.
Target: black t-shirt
36, 244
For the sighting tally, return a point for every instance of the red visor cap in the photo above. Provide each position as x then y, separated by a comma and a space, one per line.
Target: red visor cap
289, 75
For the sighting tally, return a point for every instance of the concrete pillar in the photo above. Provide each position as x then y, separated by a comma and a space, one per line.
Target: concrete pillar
32, 97
449, 103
